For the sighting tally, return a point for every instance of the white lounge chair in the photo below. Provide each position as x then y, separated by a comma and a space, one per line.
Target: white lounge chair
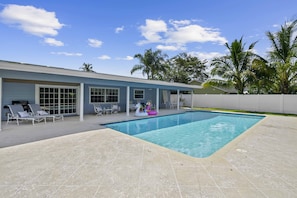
37, 111
98, 109
17, 113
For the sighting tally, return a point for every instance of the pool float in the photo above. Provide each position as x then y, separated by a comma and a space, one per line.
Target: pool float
149, 111
138, 112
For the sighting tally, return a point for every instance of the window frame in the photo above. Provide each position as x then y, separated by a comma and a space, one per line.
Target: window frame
105, 91
143, 94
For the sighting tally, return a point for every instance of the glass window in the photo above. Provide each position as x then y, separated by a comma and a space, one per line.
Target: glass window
104, 95
138, 94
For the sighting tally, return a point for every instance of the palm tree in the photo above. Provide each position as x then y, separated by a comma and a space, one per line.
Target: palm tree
262, 78
152, 63
234, 68
87, 67
283, 57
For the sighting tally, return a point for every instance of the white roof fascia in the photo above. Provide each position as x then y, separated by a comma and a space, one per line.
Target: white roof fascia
24, 67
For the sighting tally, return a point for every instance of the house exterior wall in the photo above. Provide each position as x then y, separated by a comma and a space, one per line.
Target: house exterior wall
16, 91
20, 84
149, 95
26, 91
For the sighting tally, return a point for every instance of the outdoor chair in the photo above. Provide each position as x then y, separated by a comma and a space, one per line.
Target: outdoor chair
98, 109
39, 112
132, 107
18, 113
115, 108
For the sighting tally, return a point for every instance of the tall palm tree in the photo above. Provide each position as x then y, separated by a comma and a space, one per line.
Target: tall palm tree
262, 78
151, 64
87, 67
283, 57
234, 68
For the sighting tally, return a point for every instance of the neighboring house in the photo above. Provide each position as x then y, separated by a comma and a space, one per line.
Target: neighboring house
73, 92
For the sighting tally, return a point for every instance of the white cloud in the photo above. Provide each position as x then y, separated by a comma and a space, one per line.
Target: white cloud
178, 33
94, 43
119, 29
128, 58
168, 47
150, 31
53, 42
30, 19
67, 53
104, 57
176, 23
206, 55
195, 33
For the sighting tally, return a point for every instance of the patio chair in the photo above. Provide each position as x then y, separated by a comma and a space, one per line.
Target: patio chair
98, 109
132, 107
18, 113
115, 108
39, 112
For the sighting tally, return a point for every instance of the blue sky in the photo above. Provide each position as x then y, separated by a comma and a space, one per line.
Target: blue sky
108, 33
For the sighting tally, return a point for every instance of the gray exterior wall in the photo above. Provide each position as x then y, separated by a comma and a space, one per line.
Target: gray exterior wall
26, 91
16, 91
20, 85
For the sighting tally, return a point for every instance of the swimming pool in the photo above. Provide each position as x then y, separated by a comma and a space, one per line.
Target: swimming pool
196, 133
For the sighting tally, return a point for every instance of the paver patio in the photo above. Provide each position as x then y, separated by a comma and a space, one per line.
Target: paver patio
98, 162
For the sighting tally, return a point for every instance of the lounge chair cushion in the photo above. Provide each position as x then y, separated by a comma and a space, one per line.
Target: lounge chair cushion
23, 114
42, 113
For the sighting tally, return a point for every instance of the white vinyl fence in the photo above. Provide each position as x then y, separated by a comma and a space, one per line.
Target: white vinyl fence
258, 103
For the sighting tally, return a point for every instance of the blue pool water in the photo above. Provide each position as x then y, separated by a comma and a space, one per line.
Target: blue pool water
196, 133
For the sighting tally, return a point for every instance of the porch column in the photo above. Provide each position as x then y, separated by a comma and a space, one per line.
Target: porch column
192, 101
178, 99
81, 105
128, 100
1, 104
157, 99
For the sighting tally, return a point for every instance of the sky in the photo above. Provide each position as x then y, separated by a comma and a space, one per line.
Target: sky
108, 33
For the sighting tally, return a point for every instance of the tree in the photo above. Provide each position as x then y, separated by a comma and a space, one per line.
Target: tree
87, 67
262, 78
283, 57
234, 68
185, 68
152, 64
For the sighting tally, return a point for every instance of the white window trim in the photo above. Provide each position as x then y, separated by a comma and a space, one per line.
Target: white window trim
90, 102
139, 90
37, 87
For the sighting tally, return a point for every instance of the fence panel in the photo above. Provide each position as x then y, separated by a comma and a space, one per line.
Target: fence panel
275, 103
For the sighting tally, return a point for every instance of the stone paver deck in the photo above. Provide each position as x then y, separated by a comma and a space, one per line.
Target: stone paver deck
262, 162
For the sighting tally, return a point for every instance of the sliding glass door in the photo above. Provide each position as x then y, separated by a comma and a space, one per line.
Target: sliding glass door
58, 100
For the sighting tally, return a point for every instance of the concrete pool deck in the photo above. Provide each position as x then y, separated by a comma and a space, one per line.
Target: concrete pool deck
91, 162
